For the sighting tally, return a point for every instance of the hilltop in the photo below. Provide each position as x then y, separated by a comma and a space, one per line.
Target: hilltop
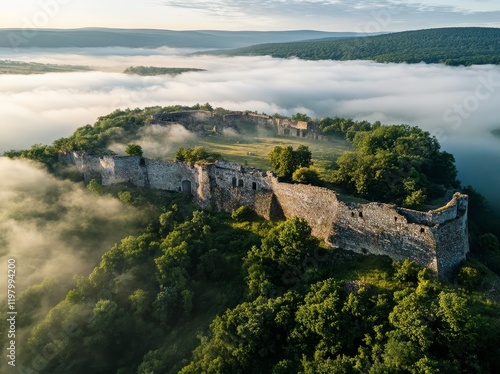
206, 291
450, 46
370, 161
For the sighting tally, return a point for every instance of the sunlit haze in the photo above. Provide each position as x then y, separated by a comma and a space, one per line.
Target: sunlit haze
329, 15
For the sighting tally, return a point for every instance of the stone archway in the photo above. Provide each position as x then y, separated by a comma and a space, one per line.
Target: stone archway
186, 186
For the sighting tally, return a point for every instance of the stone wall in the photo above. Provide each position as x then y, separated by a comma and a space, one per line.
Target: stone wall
364, 228
195, 119
232, 186
89, 166
436, 239
318, 206
260, 119
453, 238
300, 129
170, 176
186, 117
442, 215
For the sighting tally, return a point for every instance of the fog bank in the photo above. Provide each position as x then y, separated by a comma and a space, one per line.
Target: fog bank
457, 104
54, 228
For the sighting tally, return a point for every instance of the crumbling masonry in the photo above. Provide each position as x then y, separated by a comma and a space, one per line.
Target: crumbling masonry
436, 239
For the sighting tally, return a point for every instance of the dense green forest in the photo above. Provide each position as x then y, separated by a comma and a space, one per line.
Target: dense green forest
197, 291
450, 46
25, 68
401, 164
154, 70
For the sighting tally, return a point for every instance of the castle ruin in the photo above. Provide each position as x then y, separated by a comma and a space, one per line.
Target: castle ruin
196, 119
436, 239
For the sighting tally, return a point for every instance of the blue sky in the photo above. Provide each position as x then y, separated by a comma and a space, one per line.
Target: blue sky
328, 15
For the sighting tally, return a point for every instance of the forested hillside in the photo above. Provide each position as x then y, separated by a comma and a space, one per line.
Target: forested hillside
155, 70
17, 67
150, 38
450, 46
206, 292
197, 292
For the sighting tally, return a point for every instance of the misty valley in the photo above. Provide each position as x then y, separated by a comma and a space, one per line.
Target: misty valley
164, 195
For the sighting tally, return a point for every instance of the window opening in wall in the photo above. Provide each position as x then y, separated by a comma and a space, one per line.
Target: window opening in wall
234, 181
395, 219
186, 186
352, 214
422, 230
360, 214
240, 183
364, 250
254, 186
142, 162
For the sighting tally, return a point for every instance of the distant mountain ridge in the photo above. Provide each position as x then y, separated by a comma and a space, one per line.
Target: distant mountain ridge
450, 46
144, 38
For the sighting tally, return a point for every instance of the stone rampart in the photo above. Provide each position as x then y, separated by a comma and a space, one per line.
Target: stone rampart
364, 228
195, 119
185, 117
260, 119
436, 239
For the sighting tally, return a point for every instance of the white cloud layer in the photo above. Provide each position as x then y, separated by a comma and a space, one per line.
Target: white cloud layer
457, 104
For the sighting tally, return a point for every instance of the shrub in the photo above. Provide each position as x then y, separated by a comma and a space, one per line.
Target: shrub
470, 276
243, 213
306, 176
489, 242
133, 150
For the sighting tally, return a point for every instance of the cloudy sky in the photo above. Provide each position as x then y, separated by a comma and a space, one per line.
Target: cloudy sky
328, 15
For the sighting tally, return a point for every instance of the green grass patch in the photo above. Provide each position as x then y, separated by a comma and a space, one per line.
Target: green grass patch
252, 145
370, 269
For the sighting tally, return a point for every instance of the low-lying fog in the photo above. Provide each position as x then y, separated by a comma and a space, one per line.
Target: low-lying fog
51, 227
457, 104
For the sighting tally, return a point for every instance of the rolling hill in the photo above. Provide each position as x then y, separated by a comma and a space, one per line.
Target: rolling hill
140, 38
450, 46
